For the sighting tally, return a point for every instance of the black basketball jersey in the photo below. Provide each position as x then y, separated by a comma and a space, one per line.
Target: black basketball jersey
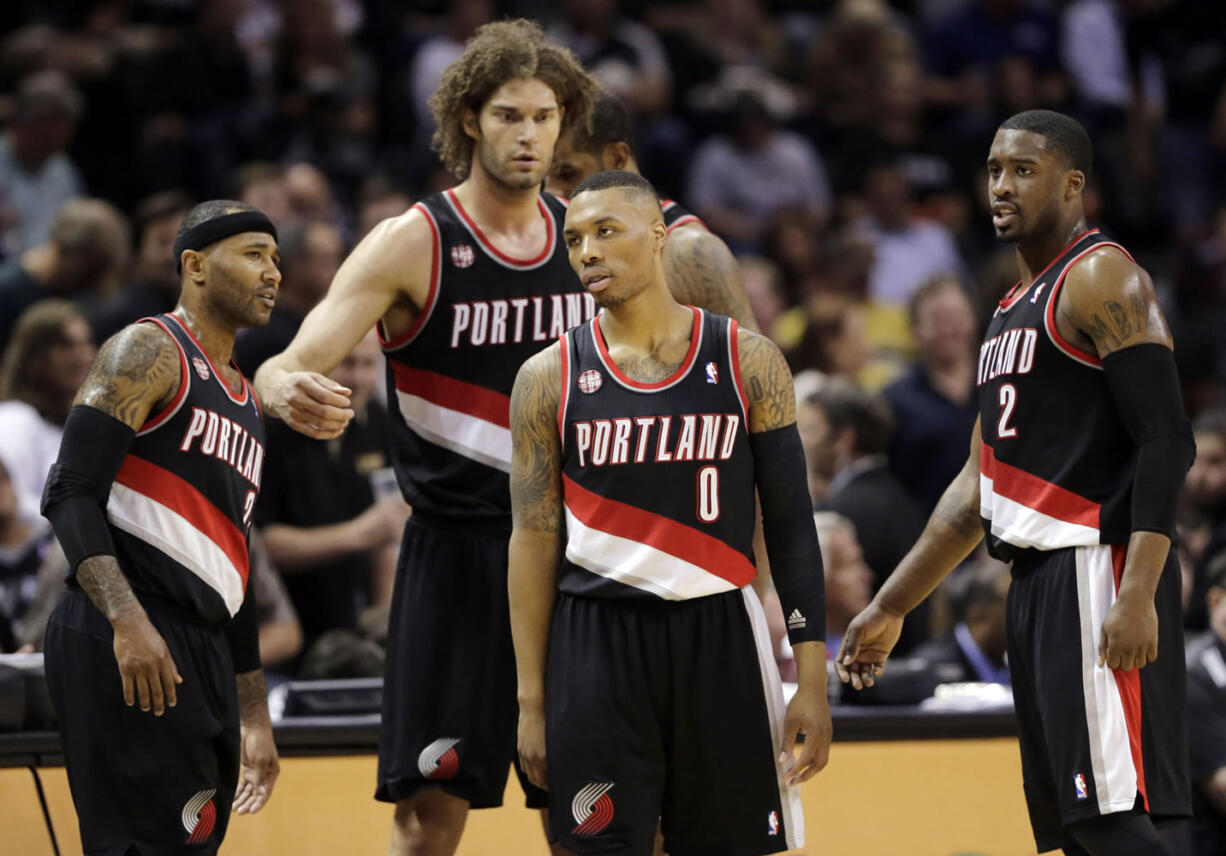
450, 376
675, 215
180, 508
1056, 463
657, 477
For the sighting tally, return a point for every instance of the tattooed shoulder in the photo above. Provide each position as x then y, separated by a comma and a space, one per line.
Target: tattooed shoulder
768, 382
136, 369
701, 271
1111, 301
536, 463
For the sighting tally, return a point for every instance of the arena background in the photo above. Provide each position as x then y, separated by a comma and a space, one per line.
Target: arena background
838, 147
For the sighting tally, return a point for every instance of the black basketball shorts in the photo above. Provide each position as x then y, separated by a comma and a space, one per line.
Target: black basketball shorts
1094, 741
155, 785
669, 712
450, 715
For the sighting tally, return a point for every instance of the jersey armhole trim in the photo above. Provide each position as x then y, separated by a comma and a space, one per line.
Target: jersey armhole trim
1049, 314
734, 360
185, 382
564, 398
389, 345
687, 220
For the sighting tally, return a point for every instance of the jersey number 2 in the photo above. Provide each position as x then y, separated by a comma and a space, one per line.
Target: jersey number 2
248, 508
1008, 400
708, 494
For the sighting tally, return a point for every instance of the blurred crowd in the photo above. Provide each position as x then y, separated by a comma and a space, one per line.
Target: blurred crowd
837, 146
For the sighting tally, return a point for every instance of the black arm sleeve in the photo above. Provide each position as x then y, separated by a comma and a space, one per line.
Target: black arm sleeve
243, 633
92, 450
791, 537
1145, 386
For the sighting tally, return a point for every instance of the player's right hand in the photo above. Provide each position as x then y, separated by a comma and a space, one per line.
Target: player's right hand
869, 639
145, 664
532, 745
308, 402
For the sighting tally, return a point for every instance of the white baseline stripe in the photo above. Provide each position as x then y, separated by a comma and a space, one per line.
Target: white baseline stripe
1023, 526
467, 435
636, 564
1115, 777
772, 689
173, 534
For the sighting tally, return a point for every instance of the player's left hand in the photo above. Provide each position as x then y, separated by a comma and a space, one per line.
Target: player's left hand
808, 714
1130, 635
260, 768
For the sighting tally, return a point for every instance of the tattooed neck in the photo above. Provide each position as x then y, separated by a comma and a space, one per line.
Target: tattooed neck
649, 369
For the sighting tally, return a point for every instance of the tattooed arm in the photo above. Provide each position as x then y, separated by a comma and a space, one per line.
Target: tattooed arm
701, 271
134, 375
536, 541
952, 532
1109, 307
791, 543
260, 765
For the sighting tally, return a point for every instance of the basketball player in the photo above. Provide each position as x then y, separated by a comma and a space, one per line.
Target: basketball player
1075, 465
699, 267
647, 429
465, 286
151, 498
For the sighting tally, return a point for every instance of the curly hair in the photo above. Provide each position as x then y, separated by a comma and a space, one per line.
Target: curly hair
498, 52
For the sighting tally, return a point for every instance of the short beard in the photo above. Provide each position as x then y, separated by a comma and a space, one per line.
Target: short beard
512, 181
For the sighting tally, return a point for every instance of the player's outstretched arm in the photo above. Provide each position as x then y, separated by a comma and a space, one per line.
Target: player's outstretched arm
1109, 300
136, 370
536, 541
952, 532
701, 271
391, 265
791, 544
259, 763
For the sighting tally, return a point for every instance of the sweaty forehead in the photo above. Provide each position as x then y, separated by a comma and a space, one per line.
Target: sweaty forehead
621, 203
1012, 143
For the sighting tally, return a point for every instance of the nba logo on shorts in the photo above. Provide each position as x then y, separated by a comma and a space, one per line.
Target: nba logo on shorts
772, 823
1079, 782
462, 255
712, 373
202, 368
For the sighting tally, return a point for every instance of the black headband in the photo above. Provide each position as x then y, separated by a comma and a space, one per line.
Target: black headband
218, 229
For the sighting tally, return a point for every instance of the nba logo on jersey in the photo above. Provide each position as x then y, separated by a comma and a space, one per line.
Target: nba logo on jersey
202, 368
463, 255
772, 823
1079, 782
590, 381
1037, 292
712, 373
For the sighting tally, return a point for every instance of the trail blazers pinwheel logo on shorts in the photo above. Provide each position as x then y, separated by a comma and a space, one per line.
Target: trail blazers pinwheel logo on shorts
592, 808
439, 760
200, 816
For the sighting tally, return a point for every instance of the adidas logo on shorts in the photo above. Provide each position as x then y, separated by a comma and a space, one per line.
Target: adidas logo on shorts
796, 621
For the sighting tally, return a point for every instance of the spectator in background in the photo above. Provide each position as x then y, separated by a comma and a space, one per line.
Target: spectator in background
36, 175
311, 254
155, 284
907, 250
321, 522
280, 630
935, 399
976, 644
834, 340
814, 430
43, 367
1205, 489
848, 580
864, 490
86, 253
626, 57
740, 180
1207, 720
21, 546
378, 200
263, 186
